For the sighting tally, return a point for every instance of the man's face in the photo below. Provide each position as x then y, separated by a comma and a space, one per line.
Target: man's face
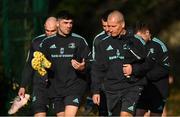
115, 27
105, 26
65, 26
50, 29
145, 34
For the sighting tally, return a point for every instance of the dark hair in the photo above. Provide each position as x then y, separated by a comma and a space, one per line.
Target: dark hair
141, 26
104, 16
65, 15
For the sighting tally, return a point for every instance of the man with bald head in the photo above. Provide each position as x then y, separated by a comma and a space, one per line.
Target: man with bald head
50, 26
40, 95
122, 83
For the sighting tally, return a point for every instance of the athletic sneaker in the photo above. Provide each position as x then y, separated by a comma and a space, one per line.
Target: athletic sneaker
18, 103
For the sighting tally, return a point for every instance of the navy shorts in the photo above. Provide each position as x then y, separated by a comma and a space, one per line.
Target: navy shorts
123, 100
40, 99
41, 96
103, 111
59, 103
151, 99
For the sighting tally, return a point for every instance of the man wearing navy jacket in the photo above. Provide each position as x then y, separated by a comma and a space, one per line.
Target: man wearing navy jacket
112, 57
40, 90
68, 55
155, 93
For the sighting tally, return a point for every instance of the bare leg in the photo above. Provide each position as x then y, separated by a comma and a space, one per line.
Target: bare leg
40, 114
70, 111
164, 114
60, 114
147, 114
126, 114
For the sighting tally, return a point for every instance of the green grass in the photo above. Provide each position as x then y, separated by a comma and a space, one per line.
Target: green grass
173, 104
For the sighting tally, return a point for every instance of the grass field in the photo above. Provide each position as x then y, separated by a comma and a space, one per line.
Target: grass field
173, 105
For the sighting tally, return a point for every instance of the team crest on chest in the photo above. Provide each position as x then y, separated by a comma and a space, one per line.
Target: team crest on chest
71, 45
61, 50
151, 50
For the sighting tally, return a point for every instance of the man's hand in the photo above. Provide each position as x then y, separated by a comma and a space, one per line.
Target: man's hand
77, 65
96, 99
21, 92
127, 70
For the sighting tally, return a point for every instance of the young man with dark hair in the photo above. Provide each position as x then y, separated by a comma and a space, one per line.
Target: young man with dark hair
68, 55
155, 93
102, 107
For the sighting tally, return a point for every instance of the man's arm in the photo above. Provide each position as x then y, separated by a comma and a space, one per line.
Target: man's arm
81, 61
139, 65
98, 71
161, 62
27, 73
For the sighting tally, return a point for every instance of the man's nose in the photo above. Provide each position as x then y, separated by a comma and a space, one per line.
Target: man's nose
69, 25
109, 30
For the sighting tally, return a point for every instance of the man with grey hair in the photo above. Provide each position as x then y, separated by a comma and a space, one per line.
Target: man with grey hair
121, 81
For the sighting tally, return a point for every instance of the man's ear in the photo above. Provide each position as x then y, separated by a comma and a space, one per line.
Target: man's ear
138, 33
123, 24
57, 24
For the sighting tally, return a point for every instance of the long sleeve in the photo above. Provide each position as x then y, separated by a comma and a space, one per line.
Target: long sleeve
138, 50
83, 52
27, 73
157, 73
159, 54
98, 71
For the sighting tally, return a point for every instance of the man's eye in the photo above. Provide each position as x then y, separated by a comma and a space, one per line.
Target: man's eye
50, 30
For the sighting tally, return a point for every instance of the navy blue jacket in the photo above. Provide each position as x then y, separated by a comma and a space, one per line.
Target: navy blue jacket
159, 74
111, 54
60, 51
28, 73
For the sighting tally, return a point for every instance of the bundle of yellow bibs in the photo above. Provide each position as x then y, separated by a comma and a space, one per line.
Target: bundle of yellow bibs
39, 63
